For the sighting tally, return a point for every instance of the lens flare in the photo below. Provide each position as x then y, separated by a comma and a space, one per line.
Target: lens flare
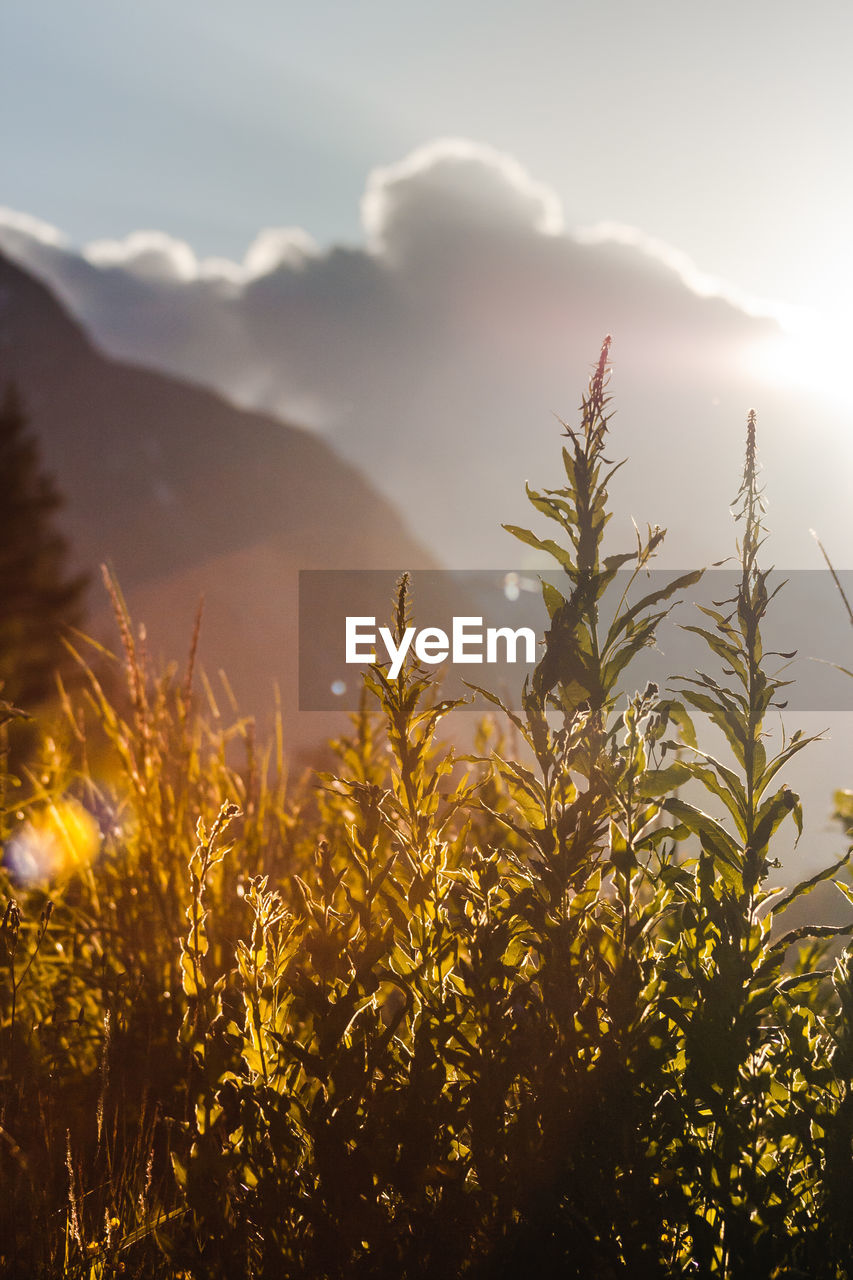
55, 840
808, 354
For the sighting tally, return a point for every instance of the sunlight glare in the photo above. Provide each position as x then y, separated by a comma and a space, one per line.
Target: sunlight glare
809, 353
55, 840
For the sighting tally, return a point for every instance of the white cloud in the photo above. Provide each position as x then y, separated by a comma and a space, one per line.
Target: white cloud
696, 280
152, 255
276, 247
450, 187
23, 227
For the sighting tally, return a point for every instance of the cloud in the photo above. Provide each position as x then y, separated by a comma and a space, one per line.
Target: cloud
448, 190
436, 353
683, 266
151, 255
22, 228
276, 247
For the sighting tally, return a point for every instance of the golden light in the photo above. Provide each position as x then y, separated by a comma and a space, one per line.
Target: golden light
57, 839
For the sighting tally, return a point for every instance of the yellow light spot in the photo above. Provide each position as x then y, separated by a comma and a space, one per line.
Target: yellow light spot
57, 839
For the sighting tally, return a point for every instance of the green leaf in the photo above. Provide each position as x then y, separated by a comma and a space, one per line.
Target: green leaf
553, 598
548, 545
725, 785
553, 505
846, 890
771, 814
725, 651
659, 782
623, 620
496, 701
725, 717
806, 886
706, 828
797, 744
616, 562
674, 710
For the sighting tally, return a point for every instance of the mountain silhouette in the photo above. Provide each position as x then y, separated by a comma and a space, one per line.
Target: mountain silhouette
184, 495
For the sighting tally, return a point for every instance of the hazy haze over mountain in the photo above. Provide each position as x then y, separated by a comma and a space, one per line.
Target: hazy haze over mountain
185, 496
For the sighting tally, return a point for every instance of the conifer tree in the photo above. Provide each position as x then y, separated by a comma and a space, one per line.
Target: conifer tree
38, 595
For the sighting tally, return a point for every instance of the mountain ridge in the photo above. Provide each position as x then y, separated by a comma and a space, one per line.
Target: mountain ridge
169, 483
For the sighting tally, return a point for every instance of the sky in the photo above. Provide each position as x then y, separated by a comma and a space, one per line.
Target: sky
722, 130
668, 170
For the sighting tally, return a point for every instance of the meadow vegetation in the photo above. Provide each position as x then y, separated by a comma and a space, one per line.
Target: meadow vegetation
530, 1010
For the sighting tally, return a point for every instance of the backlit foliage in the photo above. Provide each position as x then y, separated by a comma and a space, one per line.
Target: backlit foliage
530, 1010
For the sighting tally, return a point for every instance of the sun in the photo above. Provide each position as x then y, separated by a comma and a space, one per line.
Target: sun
810, 352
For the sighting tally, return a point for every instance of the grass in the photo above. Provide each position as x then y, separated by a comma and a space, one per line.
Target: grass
523, 1011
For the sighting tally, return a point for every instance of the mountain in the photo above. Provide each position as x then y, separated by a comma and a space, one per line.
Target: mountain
185, 495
